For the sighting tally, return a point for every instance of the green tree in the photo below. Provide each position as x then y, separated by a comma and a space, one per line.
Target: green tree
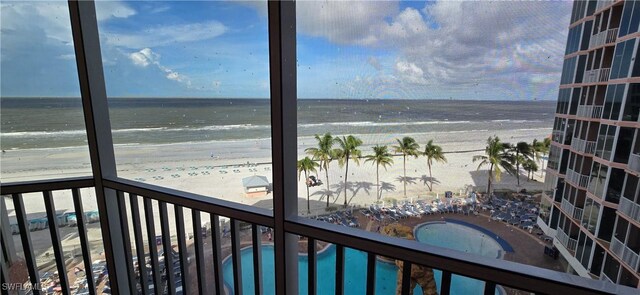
324, 154
497, 158
380, 157
348, 150
407, 147
433, 153
531, 167
521, 152
306, 165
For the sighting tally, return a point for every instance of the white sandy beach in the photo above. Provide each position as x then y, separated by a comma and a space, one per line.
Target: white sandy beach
191, 167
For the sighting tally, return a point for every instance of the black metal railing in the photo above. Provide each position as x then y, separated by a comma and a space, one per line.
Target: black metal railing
155, 267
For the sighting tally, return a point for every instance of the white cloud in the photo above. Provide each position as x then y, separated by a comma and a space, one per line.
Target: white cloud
410, 73
113, 9
450, 44
146, 57
344, 22
164, 35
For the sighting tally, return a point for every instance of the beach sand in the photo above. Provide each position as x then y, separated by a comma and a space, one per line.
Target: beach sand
197, 168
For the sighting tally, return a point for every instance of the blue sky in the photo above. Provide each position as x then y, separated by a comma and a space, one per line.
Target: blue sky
413, 50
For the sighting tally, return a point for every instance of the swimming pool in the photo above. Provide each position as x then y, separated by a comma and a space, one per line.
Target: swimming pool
449, 235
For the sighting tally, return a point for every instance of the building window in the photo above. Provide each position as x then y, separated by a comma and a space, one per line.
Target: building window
630, 18
622, 59
632, 104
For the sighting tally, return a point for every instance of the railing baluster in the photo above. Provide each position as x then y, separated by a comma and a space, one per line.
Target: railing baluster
445, 285
84, 241
4, 272
137, 233
168, 251
406, 277
312, 261
182, 248
55, 240
27, 246
153, 246
199, 248
489, 288
371, 273
256, 236
339, 269
126, 240
216, 246
235, 257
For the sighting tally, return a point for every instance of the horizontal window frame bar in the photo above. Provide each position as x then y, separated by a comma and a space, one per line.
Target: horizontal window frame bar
506, 273
205, 204
38, 186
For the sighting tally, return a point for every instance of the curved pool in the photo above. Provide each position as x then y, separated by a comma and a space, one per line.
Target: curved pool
450, 235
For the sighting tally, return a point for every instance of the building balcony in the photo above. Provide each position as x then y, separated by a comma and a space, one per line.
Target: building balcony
624, 253
577, 213
603, 3
597, 75
566, 241
634, 162
583, 146
557, 136
577, 179
604, 37
567, 206
629, 208
589, 111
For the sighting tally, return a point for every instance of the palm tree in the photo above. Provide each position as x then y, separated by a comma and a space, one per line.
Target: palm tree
523, 151
531, 167
380, 157
497, 157
348, 150
307, 165
324, 153
407, 147
433, 153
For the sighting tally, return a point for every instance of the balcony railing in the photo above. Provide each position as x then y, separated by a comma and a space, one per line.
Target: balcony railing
625, 253
557, 136
589, 111
565, 240
634, 162
153, 275
597, 75
577, 179
583, 146
629, 208
567, 206
604, 37
577, 213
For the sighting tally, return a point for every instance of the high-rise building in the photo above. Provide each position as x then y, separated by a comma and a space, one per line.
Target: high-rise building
591, 204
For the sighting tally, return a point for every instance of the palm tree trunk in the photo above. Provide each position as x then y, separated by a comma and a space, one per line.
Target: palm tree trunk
306, 175
378, 181
346, 173
489, 181
430, 178
326, 174
404, 167
518, 168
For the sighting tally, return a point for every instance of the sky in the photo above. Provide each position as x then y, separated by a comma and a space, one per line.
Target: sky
505, 50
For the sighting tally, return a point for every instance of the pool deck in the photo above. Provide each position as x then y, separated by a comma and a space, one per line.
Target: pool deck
526, 248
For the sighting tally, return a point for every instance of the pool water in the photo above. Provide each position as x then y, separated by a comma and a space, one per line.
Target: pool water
447, 235
354, 276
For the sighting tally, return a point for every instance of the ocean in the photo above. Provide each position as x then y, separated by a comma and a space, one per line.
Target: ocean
28, 123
